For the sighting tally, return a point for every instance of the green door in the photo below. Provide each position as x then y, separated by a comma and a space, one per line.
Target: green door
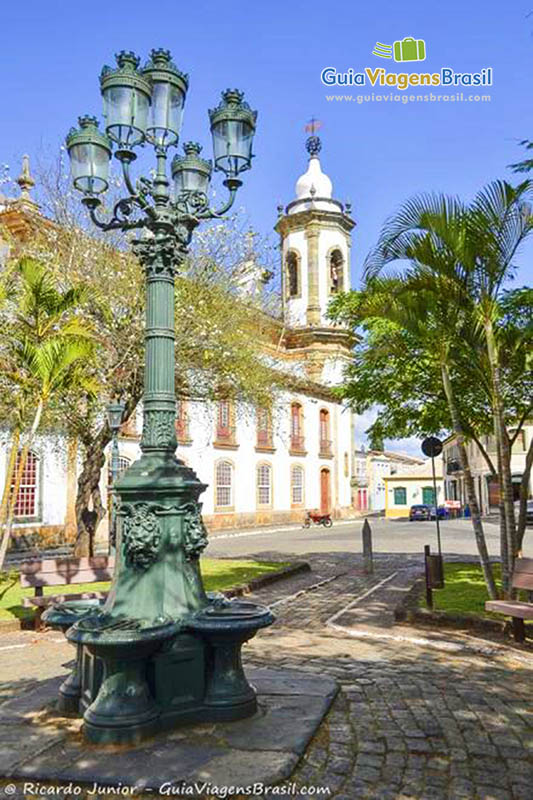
428, 496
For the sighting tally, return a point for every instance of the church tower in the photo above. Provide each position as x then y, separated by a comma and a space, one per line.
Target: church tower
315, 233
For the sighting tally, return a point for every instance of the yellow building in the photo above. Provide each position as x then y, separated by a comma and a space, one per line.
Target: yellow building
413, 486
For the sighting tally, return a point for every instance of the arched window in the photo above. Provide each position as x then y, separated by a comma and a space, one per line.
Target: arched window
297, 485
297, 428
224, 484
336, 271
325, 436
27, 502
264, 485
293, 274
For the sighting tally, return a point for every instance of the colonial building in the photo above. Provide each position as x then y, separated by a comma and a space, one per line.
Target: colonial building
486, 484
371, 467
411, 486
261, 466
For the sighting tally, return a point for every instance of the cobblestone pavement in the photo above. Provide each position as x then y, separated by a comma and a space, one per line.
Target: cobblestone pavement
420, 715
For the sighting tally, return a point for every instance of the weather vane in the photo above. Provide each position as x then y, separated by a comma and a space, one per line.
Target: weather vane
313, 143
313, 125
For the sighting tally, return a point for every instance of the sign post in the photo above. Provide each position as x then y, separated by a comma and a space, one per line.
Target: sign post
432, 447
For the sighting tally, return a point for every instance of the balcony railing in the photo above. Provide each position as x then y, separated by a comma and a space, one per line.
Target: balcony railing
453, 466
225, 435
325, 447
297, 443
264, 438
182, 429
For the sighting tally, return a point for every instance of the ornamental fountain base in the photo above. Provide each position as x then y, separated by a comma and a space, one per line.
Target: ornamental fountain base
133, 680
160, 652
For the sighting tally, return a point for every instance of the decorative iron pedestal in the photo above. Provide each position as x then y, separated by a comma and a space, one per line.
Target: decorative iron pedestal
62, 616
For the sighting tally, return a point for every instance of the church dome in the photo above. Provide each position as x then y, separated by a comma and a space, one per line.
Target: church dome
314, 182
314, 188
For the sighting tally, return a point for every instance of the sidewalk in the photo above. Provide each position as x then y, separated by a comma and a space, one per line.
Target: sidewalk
419, 715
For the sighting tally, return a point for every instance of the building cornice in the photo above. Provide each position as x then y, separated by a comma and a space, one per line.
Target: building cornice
302, 219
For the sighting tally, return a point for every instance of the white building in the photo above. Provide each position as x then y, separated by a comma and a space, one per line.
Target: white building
259, 466
371, 468
412, 486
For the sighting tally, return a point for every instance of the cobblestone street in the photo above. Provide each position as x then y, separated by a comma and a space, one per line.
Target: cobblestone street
419, 714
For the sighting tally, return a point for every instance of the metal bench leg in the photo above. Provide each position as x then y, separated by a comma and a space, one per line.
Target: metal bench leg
519, 630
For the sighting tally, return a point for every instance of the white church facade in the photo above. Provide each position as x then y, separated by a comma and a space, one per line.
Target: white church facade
260, 466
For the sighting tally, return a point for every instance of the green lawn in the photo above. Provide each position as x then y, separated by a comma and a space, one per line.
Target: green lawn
465, 591
218, 575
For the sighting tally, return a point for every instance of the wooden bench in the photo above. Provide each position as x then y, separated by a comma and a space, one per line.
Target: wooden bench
63, 572
518, 610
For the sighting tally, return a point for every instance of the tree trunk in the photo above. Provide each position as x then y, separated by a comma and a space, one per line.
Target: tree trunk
504, 542
89, 509
524, 492
469, 484
502, 442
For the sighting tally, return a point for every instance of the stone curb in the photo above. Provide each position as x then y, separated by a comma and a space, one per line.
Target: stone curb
271, 577
9, 625
409, 611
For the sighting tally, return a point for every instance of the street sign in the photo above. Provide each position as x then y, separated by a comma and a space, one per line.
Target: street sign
432, 447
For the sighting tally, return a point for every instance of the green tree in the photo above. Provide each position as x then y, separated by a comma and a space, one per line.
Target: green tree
407, 353
453, 290
223, 301
45, 350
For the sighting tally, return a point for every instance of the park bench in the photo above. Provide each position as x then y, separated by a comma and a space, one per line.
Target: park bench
518, 610
63, 572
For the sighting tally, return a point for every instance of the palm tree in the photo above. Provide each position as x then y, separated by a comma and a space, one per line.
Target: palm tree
45, 353
433, 319
472, 249
498, 223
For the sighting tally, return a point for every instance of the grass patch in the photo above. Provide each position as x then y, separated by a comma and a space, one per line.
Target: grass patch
218, 575
465, 592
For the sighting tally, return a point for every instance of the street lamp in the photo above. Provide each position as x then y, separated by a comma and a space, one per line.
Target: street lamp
157, 594
114, 413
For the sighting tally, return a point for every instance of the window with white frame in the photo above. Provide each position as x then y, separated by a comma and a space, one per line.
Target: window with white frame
224, 484
123, 464
27, 502
297, 485
264, 484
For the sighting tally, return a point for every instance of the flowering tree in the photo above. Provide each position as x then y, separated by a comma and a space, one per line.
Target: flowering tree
221, 299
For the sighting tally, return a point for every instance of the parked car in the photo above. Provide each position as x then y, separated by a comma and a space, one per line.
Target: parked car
529, 511
420, 512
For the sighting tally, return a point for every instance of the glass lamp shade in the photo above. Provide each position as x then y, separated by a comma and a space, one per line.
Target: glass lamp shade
127, 96
114, 413
169, 87
232, 128
190, 172
89, 152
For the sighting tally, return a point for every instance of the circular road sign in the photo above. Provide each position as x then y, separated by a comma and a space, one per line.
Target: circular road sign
432, 447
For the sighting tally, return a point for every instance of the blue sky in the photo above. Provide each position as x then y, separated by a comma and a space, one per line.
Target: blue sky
377, 154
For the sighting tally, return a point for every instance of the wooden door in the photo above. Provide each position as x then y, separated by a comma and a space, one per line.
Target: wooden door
325, 491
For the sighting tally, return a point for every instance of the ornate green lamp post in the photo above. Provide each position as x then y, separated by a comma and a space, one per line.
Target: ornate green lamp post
161, 651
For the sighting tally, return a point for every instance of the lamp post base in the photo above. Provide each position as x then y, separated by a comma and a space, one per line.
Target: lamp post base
167, 675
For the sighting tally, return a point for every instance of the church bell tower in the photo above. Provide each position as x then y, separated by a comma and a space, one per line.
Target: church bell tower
315, 233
